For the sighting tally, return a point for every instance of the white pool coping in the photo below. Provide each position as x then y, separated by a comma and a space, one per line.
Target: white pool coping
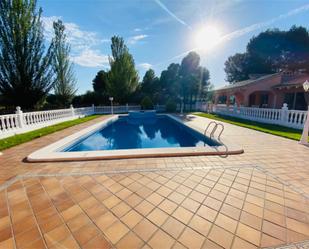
53, 153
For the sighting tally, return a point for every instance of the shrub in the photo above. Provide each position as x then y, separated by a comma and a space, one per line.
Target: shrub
171, 106
146, 103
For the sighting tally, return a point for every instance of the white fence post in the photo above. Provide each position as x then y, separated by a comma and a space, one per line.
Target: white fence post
214, 108
93, 110
20, 117
304, 136
284, 113
235, 108
72, 110
127, 107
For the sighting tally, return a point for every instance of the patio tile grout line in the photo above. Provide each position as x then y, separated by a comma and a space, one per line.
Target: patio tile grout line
213, 223
130, 230
30, 175
195, 213
10, 216
293, 245
162, 169
291, 186
241, 210
179, 205
171, 215
32, 211
76, 203
102, 233
62, 219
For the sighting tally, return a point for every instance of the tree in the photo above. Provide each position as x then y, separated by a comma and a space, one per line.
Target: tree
65, 80
189, 80
122, 77
194, 79
86, 99
236, 67
269, 52
26, 75
188, 72
169, 82
99, 84
147, 103
151, 86
297, 55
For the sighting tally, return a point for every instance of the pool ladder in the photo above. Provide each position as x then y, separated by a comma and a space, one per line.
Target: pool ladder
212, 134
216, 125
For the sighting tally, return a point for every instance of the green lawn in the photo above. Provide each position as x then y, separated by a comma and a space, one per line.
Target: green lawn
25, 137
267, 128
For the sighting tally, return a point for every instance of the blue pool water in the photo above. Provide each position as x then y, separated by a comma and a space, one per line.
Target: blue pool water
133, 133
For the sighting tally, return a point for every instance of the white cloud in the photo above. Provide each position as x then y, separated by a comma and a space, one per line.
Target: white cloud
137, 30
144, 65
90, 58
83, 43
136, 38
106, 40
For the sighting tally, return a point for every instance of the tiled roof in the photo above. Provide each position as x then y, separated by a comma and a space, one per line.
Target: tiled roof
245, 82
295, 80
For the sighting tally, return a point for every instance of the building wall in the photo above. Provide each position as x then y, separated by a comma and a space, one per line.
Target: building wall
242, 94
276, 97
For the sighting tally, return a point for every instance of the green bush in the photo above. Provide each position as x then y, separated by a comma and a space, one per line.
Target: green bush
146, 103
171, 106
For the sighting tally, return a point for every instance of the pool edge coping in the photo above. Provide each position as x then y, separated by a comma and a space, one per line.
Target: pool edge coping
51, 153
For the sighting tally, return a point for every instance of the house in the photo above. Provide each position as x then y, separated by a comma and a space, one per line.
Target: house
267, 91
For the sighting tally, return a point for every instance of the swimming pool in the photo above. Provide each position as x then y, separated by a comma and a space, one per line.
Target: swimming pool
144, 135
127, 132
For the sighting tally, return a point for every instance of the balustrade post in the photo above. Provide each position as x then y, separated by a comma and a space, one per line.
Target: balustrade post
93, 110
20, 117
72, 110
214, 108
235, 108
127, 107
284, 113
304, 136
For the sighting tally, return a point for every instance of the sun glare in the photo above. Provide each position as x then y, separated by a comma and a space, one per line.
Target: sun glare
207, 38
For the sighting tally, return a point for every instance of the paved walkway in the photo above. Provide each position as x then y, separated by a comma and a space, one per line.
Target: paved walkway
257, 199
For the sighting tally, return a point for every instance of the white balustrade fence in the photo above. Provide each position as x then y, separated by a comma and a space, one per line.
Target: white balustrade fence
8, 123
283, 116
116, 109
22, 122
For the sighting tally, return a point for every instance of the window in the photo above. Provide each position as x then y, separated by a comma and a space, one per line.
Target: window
295, 101
264, 100
289, 99
222, 99
300, 103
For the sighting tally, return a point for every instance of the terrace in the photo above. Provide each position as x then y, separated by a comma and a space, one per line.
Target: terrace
99, 145
256, 199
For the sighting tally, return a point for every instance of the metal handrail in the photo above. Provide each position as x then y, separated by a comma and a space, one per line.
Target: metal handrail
212, 122
222, 129
226, 151
212, 133
214, 129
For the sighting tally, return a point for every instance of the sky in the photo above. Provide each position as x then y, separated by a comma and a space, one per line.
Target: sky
160, 32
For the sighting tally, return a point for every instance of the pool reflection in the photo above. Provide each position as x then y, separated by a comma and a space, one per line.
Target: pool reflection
126, 133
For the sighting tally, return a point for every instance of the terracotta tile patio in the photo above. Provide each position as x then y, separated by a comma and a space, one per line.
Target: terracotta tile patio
257, 199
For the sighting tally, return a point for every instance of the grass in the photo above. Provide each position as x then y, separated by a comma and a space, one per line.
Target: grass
28, 136
277, 130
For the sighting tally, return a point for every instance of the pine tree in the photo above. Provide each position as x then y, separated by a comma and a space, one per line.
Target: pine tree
26, 74
65, 85
122, 77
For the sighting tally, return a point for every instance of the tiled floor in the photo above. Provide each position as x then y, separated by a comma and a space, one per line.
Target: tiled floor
258, 199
